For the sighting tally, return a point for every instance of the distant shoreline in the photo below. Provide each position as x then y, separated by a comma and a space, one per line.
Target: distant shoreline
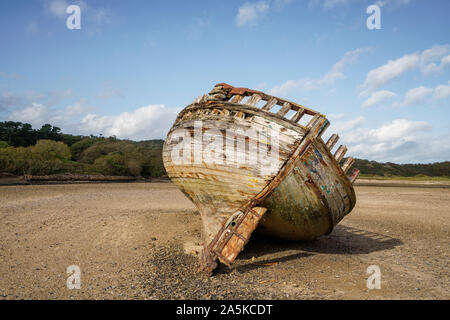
12, 180
364, 182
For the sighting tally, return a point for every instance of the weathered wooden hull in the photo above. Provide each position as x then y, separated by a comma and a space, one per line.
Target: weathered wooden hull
311, 200
303, 196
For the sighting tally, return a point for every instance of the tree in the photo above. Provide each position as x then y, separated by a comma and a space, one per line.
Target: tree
17, 134
50, 150
50, 132
4, 144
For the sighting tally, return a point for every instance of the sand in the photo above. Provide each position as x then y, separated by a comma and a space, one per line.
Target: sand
139, 241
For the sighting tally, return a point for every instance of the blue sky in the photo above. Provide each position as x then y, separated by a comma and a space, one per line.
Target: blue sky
134, 64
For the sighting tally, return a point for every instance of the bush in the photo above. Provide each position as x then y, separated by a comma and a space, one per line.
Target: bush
50, 150
4, 144
78, 147
111, 164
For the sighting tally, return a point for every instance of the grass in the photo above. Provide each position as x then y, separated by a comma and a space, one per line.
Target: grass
415, 178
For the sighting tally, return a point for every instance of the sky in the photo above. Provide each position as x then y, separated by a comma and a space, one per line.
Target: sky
133, 65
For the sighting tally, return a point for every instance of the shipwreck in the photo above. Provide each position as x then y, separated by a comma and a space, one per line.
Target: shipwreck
249, 160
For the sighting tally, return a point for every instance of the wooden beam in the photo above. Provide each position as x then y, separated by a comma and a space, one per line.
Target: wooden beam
352, 177
236, 98
347, 164
298, 115
270, 104
324, 124
332, 141
253, 100
340, 153
313, 120
285, 109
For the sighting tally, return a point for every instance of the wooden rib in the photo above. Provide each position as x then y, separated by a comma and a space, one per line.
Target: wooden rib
352, 177
298, 115
285, 109
313, 121
240, 114
340, 153
267, 97
224, 112
347, 164
237, 98
270, 104
253, 100
332, 141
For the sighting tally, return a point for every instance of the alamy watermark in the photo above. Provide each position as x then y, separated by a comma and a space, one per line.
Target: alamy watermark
374, 20
74, 20
374, 280
74, 277
232, 147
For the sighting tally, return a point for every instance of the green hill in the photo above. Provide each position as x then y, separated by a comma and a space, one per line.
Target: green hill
45, 151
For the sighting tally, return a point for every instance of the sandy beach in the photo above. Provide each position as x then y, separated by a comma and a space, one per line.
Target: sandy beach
140, 240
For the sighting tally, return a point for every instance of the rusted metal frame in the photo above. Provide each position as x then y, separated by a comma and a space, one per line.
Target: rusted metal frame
238, 235
226, 228
223, 259
216, 252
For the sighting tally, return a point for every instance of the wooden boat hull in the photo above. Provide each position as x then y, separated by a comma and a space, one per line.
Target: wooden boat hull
302, 195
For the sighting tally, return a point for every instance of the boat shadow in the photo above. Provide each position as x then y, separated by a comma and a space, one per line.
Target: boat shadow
343, 240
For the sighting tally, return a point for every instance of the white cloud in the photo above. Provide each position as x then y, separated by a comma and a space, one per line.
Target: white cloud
335, 73
389, 71
401, 141
345, 126
335, 116
249, 13
38, 114
290, 85
435, 59
12, 101
416, 95
350, 57
442, 91
57, 8
149, 122
377, 97
432, 60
